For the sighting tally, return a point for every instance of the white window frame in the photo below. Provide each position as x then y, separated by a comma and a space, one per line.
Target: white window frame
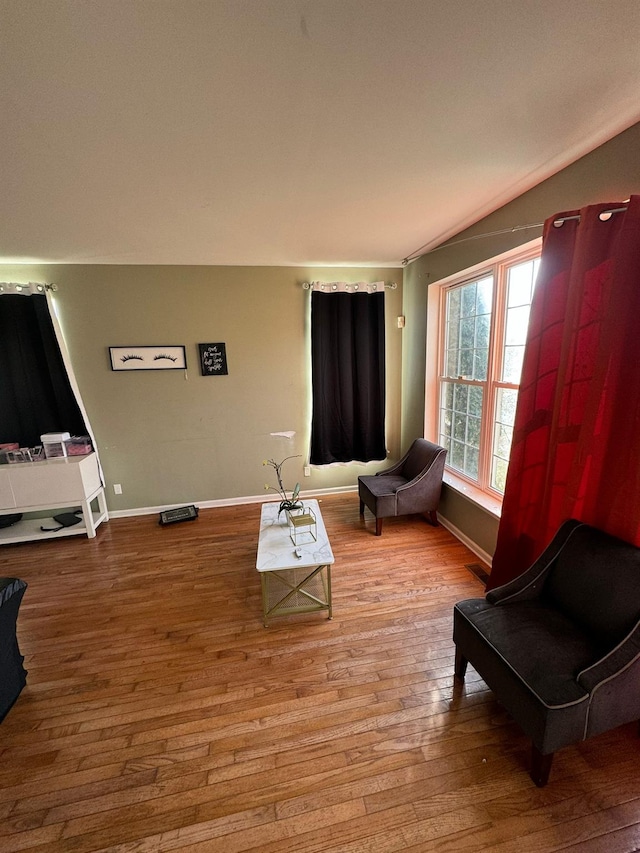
480, 493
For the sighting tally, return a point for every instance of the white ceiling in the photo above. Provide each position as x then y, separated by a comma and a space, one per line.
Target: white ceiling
293, 132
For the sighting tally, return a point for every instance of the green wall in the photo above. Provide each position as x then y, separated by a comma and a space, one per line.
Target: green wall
610, 173
170, 438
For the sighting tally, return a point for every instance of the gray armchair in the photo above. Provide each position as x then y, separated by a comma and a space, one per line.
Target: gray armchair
560, 645
13, 675
410, 486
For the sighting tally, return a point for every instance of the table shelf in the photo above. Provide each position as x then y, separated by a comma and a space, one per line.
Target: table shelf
294, 580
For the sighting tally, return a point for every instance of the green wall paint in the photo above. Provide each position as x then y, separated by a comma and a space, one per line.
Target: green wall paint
173, 440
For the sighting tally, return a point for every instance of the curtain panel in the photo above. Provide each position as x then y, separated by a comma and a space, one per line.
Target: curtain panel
348, 377
576, 442
35, 393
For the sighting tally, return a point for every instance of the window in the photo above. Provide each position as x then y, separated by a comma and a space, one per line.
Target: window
483, 318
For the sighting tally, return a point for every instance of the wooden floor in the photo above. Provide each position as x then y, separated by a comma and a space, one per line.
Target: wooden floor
160, 715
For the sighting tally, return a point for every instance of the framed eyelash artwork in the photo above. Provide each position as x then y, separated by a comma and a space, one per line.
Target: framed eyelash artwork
148, 358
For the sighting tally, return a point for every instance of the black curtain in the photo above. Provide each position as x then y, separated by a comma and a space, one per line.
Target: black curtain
348, 376
35, 393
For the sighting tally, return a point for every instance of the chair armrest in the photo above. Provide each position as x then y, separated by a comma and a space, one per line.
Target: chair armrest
394, 468
528, 585
437, 462
9, 587
625, 654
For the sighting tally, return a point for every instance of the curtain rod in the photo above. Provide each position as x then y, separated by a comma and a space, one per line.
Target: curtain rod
26, 289
604, 215
311, 285
419, 254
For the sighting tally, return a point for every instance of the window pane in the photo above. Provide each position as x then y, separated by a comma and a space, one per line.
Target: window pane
471, 462
448, 395
468, 329
502, 446
506, 408
457, 455
468, 303
466, 363
453, 333
480, 357
460, 426
517, 322
473, 432
499, 475
512, 369
483, 327
445, 423
453, 305
506, 399
451, 366
484, 295
475, 401
467, 332
460, 395
520, 284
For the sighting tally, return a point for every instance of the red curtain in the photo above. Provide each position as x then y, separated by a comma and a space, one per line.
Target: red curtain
576, 443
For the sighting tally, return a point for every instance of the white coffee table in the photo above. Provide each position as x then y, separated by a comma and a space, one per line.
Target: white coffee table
292, 583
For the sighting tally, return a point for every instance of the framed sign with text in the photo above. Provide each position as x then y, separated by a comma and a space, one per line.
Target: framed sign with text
213, 359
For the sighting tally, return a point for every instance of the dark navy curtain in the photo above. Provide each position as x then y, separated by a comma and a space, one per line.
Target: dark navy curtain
348, 377
35, 393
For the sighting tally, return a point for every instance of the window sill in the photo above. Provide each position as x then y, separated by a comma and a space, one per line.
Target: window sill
488, 503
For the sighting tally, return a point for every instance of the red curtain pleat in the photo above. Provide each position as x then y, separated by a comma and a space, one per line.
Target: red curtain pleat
576, 444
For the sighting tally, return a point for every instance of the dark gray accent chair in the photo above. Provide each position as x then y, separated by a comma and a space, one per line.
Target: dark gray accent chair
13, 675
560, 645
412, 485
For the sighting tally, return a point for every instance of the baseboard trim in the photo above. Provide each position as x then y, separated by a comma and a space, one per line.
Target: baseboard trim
248, 499
471, 545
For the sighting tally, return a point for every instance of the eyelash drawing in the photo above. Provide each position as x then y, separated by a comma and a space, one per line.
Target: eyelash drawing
158, 357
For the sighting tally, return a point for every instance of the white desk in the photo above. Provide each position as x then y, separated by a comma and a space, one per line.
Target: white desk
292, 584
52, 484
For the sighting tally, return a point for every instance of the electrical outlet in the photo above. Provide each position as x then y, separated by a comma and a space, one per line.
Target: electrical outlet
117, 488
307, 470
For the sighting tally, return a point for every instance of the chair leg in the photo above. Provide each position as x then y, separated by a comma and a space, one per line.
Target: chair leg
460, 669
361, 507
540, 766
433, 517
378, 527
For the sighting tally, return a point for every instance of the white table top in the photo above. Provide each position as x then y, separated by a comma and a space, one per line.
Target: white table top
277, 551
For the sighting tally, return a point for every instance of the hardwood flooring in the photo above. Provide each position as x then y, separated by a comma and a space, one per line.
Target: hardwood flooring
160, 715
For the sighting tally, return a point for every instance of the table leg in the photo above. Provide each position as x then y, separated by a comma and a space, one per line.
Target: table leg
88, 519
265, 598
279, 608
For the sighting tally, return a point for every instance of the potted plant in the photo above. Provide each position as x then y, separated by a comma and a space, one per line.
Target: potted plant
287, 503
